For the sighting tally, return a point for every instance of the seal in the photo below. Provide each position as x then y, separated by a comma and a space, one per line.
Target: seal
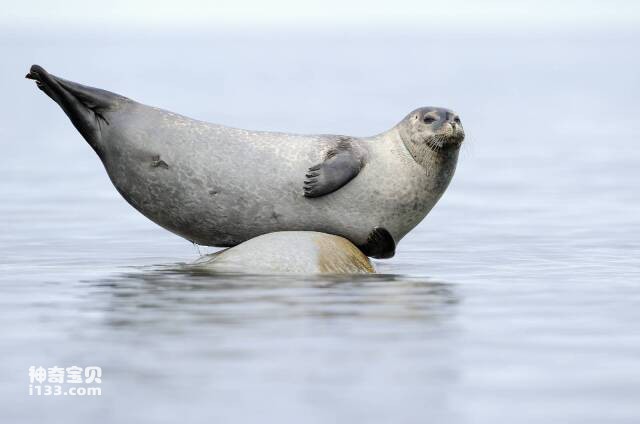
219, 186
289, 252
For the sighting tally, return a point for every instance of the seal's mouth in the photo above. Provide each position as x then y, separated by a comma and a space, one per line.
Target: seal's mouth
442, 142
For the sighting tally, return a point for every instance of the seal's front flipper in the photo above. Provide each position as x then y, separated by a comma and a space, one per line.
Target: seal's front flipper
342, 164
380, 244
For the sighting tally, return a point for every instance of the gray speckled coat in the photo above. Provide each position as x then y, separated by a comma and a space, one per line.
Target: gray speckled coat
220, 186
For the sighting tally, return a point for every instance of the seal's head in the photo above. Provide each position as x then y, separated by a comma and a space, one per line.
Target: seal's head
431, 130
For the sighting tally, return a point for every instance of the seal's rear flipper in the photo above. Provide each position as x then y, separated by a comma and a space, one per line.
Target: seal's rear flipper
380, 244
341, 165
85, 106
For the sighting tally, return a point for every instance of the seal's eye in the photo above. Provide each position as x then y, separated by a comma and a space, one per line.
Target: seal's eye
428, 119
457, 120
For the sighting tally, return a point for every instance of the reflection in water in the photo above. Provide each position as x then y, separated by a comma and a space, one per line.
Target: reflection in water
152, 294
223, 347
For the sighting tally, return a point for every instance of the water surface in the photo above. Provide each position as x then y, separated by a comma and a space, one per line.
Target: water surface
516, 300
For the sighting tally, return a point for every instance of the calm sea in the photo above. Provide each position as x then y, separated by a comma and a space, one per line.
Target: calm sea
516, 300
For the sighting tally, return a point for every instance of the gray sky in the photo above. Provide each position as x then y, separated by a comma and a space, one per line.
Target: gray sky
198, 14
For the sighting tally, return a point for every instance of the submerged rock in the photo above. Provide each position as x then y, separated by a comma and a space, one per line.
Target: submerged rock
290, 252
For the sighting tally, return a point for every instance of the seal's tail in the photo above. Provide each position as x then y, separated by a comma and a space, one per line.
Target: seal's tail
85, 106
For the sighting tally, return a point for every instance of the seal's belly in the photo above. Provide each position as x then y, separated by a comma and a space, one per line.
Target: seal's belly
218, 189
215, 189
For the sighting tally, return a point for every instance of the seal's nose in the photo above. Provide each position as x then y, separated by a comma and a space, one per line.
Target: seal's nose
454, 125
